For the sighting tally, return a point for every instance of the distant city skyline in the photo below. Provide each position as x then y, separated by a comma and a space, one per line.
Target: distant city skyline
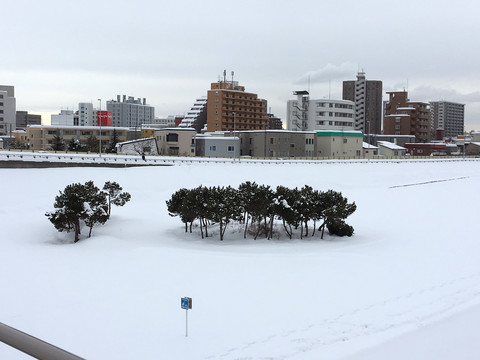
170, 52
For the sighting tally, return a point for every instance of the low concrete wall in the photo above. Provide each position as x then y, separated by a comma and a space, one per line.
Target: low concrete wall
16, 164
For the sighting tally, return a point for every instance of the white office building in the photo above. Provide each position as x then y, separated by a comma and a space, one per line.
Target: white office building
87, 116
7, 109
130, 112
65, 118
304, 114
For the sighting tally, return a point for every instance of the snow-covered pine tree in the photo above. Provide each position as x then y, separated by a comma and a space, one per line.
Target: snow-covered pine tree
115, 196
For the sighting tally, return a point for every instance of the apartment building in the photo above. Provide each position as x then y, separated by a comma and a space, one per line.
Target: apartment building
367, 96
40, 137
130, 112
304, 114
7, 109
230, 107
405, 117
447, 119
196, 117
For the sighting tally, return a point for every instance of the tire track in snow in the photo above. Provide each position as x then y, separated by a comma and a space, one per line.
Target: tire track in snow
430, 182
413, 308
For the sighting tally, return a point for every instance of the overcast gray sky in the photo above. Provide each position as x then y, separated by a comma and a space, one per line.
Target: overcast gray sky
59, 53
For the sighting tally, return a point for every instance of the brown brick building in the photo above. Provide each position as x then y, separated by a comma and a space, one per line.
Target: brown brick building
230, 108
404, 117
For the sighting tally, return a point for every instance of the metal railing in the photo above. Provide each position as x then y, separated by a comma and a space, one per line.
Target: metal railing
33, 346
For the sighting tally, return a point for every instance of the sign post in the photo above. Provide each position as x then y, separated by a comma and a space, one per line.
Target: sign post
186, 303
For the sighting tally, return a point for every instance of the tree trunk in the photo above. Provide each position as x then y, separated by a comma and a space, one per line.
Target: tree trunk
259, 228
270, 235
221, 231
245, 231
191, 223
265, 226
77, 230
314, 227
289, 233
201, 227
206, 228
186, 226
90, 232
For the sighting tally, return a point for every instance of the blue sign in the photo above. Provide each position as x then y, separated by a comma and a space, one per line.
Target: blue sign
185, 303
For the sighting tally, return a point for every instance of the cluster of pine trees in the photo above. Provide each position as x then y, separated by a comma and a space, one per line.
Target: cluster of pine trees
258, 206
85, 203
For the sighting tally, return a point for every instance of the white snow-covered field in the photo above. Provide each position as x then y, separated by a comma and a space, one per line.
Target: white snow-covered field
405, 286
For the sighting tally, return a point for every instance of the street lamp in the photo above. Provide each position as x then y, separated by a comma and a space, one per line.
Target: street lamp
100, 123
369, 146
234, 135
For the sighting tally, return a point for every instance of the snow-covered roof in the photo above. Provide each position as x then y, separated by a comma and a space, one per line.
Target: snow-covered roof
135, 141
389, 145
395, 115
76, 127
366, 145
475, 143
221, 138
176, 129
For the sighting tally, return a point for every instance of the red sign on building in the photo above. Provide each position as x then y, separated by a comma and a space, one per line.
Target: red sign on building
104, 118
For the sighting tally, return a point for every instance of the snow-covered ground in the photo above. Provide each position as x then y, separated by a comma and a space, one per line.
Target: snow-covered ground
406, 285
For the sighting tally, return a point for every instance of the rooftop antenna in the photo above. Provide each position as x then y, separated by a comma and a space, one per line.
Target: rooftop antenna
233, 73
309, 84
224, 75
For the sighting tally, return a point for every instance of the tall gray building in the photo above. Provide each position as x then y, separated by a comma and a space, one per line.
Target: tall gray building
24, 119
367, 96
448, 119
130, 112
7, 109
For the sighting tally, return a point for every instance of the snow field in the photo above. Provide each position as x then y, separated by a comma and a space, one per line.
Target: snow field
413, 261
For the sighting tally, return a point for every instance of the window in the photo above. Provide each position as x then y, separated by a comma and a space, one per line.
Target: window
172, 137
292, 145
213, 148
272, 141
231, 148
397, 127
344, 141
